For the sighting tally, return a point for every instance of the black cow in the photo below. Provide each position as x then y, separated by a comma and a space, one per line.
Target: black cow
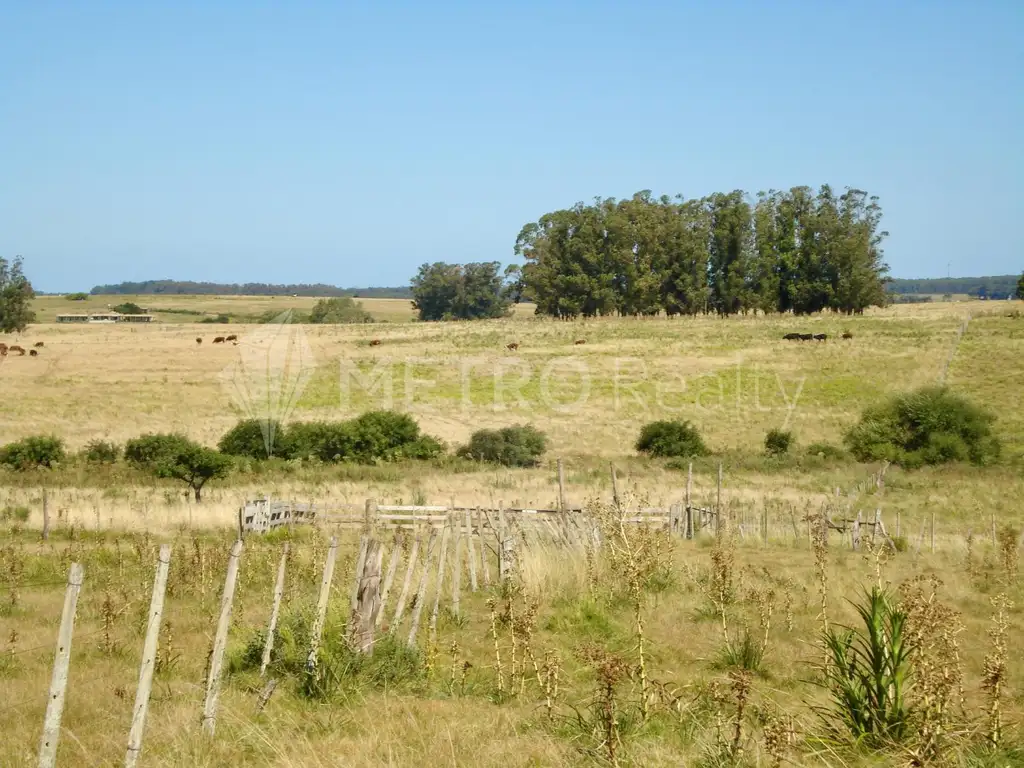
792, 337
820, 337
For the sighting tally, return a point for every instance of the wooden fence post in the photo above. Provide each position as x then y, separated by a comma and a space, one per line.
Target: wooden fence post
561, 486
61, 663
369, 515
441, 563
764, 524
360, 562
897, 523
46, 516
933, 531
220, 641
421, 591
368, 603
268, 644
470, 551
484, 562
321, 605
718, 503
149, 649
241, 523
855, 534
409, 571
615, 485
389, 578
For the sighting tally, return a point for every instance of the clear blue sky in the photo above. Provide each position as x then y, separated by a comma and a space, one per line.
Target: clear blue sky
347, 143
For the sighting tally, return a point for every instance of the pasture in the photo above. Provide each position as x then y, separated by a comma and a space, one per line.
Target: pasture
735, 378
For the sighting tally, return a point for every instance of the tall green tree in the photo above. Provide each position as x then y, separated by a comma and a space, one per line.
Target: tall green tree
16, 294
1020, 287
461, 292
339, 310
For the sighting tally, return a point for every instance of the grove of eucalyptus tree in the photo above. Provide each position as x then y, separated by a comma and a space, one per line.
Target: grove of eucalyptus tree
794, 250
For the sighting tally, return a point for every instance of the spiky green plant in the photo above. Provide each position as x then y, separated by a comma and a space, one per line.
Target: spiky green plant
868, 674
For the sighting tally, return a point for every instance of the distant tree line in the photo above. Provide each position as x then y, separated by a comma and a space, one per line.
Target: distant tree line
188, 287
997, 287
793, 250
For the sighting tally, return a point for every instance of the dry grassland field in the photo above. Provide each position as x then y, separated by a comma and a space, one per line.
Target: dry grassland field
548, 672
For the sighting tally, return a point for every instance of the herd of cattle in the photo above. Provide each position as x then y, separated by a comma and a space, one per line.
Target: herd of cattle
813, 336
14, 349
220, 339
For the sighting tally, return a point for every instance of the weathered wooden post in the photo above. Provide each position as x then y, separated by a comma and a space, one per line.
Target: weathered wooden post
441, 563
360, 562
933, 531
718, 503
615, 485
484, 561
220, 641
268, 644
321, 606
368, 602
409, 571
855, 534
241, 522
61, 664
470, 550
369, 515
561, 487
46, 516
389, 578
149, 649
421, 592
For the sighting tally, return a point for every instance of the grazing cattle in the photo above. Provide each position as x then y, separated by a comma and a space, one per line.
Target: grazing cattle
820, 337
580, 341
33, 352
847, 335
375, 342
219, 340
792, 337
806, 336
38, 344
3, 350
198, 340
17, 349
512, 347
232, 337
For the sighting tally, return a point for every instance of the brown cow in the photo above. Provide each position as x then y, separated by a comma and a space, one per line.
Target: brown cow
847, 335
3, 350
33, 352
375, 343
580, 341
219, 340
232, 337
38, 344
16, 348
513, 346
198, 340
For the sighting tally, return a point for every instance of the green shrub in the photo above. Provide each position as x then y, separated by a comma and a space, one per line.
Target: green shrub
129, 308
77, 296
35, 451
373, 436
777, 442
220, 319
676, 439
255, 438
929, 426
101, 452
341, 309
14, 514
825, 451
149, 450
517, 446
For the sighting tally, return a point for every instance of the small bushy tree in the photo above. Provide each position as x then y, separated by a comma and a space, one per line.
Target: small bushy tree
255, 438
777, 442
16, 295
78, 296
194, 465
929, 426
34, 451
128, 308
373, 436
101, 452
517, 446
147, 451
677, 439
1020, 287
338, 310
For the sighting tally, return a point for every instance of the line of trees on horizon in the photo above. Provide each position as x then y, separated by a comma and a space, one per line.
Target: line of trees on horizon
192, 288
793, 250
